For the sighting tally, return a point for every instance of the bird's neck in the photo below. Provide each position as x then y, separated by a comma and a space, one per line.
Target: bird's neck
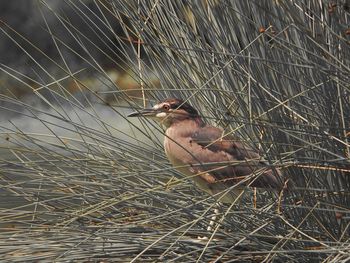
185, 127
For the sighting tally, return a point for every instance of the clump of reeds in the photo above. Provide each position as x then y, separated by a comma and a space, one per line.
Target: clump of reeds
79, 181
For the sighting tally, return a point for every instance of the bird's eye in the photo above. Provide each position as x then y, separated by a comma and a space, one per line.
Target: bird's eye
166, 107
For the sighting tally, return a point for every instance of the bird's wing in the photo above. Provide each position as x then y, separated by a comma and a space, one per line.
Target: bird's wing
245, 161
213, 139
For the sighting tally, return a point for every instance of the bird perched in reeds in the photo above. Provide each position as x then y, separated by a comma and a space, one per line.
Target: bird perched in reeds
213, 160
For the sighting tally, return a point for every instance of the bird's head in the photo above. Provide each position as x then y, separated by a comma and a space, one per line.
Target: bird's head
169, 112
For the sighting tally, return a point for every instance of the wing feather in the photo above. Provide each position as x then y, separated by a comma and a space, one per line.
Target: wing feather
245, 161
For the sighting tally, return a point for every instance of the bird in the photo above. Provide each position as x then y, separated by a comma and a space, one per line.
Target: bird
215, 161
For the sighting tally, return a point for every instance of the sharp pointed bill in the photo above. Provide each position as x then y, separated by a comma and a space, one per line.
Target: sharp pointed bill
144, 112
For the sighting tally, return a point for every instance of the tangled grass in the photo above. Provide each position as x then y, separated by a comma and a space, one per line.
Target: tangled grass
80, 182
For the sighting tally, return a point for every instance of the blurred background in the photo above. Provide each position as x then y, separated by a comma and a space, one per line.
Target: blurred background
81, 182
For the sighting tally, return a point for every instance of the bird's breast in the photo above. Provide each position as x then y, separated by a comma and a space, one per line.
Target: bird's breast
176, 153
178, 146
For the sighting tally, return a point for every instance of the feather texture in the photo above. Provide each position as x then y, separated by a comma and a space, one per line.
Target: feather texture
216, 162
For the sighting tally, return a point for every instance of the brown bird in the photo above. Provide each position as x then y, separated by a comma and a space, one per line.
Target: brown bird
213, 160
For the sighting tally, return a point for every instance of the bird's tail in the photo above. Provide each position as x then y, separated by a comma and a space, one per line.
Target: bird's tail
269, 177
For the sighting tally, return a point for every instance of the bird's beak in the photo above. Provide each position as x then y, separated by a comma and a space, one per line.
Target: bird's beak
144, 113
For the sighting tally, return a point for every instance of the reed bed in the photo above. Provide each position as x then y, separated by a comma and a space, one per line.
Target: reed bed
81, 182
